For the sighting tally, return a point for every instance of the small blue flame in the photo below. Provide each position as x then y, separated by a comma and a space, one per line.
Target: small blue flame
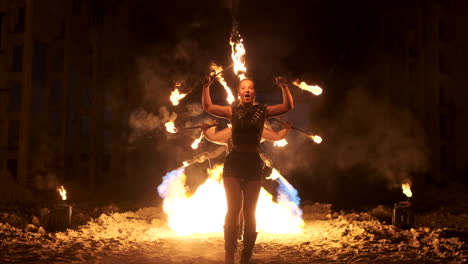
168, 179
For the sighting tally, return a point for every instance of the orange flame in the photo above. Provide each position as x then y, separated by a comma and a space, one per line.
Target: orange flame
170, 127
63, 193
280, 143
204, 211
315, 89
176, 95
238, 57
197, 141
406, 188
217, 69
317, 139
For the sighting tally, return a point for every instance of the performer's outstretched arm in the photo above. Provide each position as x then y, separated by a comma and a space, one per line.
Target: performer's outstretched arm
272, 135
288, 103
208, 106
220, 137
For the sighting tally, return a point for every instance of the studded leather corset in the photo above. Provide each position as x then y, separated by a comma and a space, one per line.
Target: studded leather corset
247, 123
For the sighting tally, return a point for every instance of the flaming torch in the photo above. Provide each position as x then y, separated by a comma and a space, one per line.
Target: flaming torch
280, 143
317, 139
315, 89
170, 127
60, 216
197, 142
402, 213
63, 193
176, 95
238, 55
216, 72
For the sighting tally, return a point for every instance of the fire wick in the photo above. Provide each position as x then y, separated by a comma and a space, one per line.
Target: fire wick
225, 69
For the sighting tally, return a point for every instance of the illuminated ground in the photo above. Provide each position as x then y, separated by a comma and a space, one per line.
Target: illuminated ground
142, 237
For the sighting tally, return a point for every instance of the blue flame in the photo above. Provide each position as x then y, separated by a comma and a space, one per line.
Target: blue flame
168, 180
286, 192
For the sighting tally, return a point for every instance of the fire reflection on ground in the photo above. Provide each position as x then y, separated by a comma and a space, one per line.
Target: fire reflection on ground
143, 237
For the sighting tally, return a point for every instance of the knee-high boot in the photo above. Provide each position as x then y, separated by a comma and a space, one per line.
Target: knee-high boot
230, 243
249, 242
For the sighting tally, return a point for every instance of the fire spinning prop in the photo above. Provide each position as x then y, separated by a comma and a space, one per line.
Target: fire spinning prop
315, 89
216, 73
176, 95
170, 127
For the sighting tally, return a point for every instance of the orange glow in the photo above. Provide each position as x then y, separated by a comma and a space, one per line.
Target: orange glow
196, 142
315, 89
238, 57
217, 69
63, 193
406, 188
176, 95
317, 139
170, 127
280, 143
204, 211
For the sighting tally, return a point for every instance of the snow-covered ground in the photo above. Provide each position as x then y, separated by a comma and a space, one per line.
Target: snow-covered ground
143, 237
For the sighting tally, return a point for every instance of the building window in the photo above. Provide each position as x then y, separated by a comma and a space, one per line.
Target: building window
13, 135
39, 77
443, 126
20, 18
56, 124
442, 31
12, 167
56, 94
58, 61
443, 159
14, 104
2, 16
442, 62
17, 59
443, 98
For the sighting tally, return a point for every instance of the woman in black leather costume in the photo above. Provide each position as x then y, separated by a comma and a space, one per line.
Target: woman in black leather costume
243, 166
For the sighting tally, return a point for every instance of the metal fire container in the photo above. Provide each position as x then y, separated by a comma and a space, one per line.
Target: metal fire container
403, 215
60, 217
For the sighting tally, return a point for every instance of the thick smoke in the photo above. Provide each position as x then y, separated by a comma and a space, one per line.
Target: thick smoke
363, 135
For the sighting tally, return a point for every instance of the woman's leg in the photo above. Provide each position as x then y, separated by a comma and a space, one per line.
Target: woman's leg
251, 191
234, 203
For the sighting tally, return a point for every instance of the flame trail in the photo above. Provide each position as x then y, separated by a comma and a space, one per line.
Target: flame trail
217, 69
197, 141
170, 127
280, 143
176, 95
238, 55
316, 139
204, 211
315, 89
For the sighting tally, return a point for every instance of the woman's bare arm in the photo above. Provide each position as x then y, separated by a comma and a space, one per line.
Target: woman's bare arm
272, 135
219, 137
207, 104
288, 103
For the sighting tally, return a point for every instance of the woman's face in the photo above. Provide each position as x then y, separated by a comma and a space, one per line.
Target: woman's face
247, 91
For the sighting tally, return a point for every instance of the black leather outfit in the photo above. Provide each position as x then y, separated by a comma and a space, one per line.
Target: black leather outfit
247, 127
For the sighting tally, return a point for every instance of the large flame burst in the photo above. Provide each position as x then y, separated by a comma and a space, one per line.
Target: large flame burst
204, 211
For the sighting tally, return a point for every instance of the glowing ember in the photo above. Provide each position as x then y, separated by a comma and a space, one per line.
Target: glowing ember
197, 141
217, 69
238, 56
170, 127
407, 190
317, 139
280, 143
63, 193
185, 163
315, 89
176, 95
204, 211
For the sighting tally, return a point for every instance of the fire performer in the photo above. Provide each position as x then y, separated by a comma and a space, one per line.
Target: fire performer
243, 166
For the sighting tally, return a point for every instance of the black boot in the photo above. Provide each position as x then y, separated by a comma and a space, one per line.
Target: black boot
249, 242
230, 244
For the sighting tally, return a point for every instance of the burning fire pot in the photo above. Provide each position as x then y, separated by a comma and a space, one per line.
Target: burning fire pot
403, 215
60, 215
